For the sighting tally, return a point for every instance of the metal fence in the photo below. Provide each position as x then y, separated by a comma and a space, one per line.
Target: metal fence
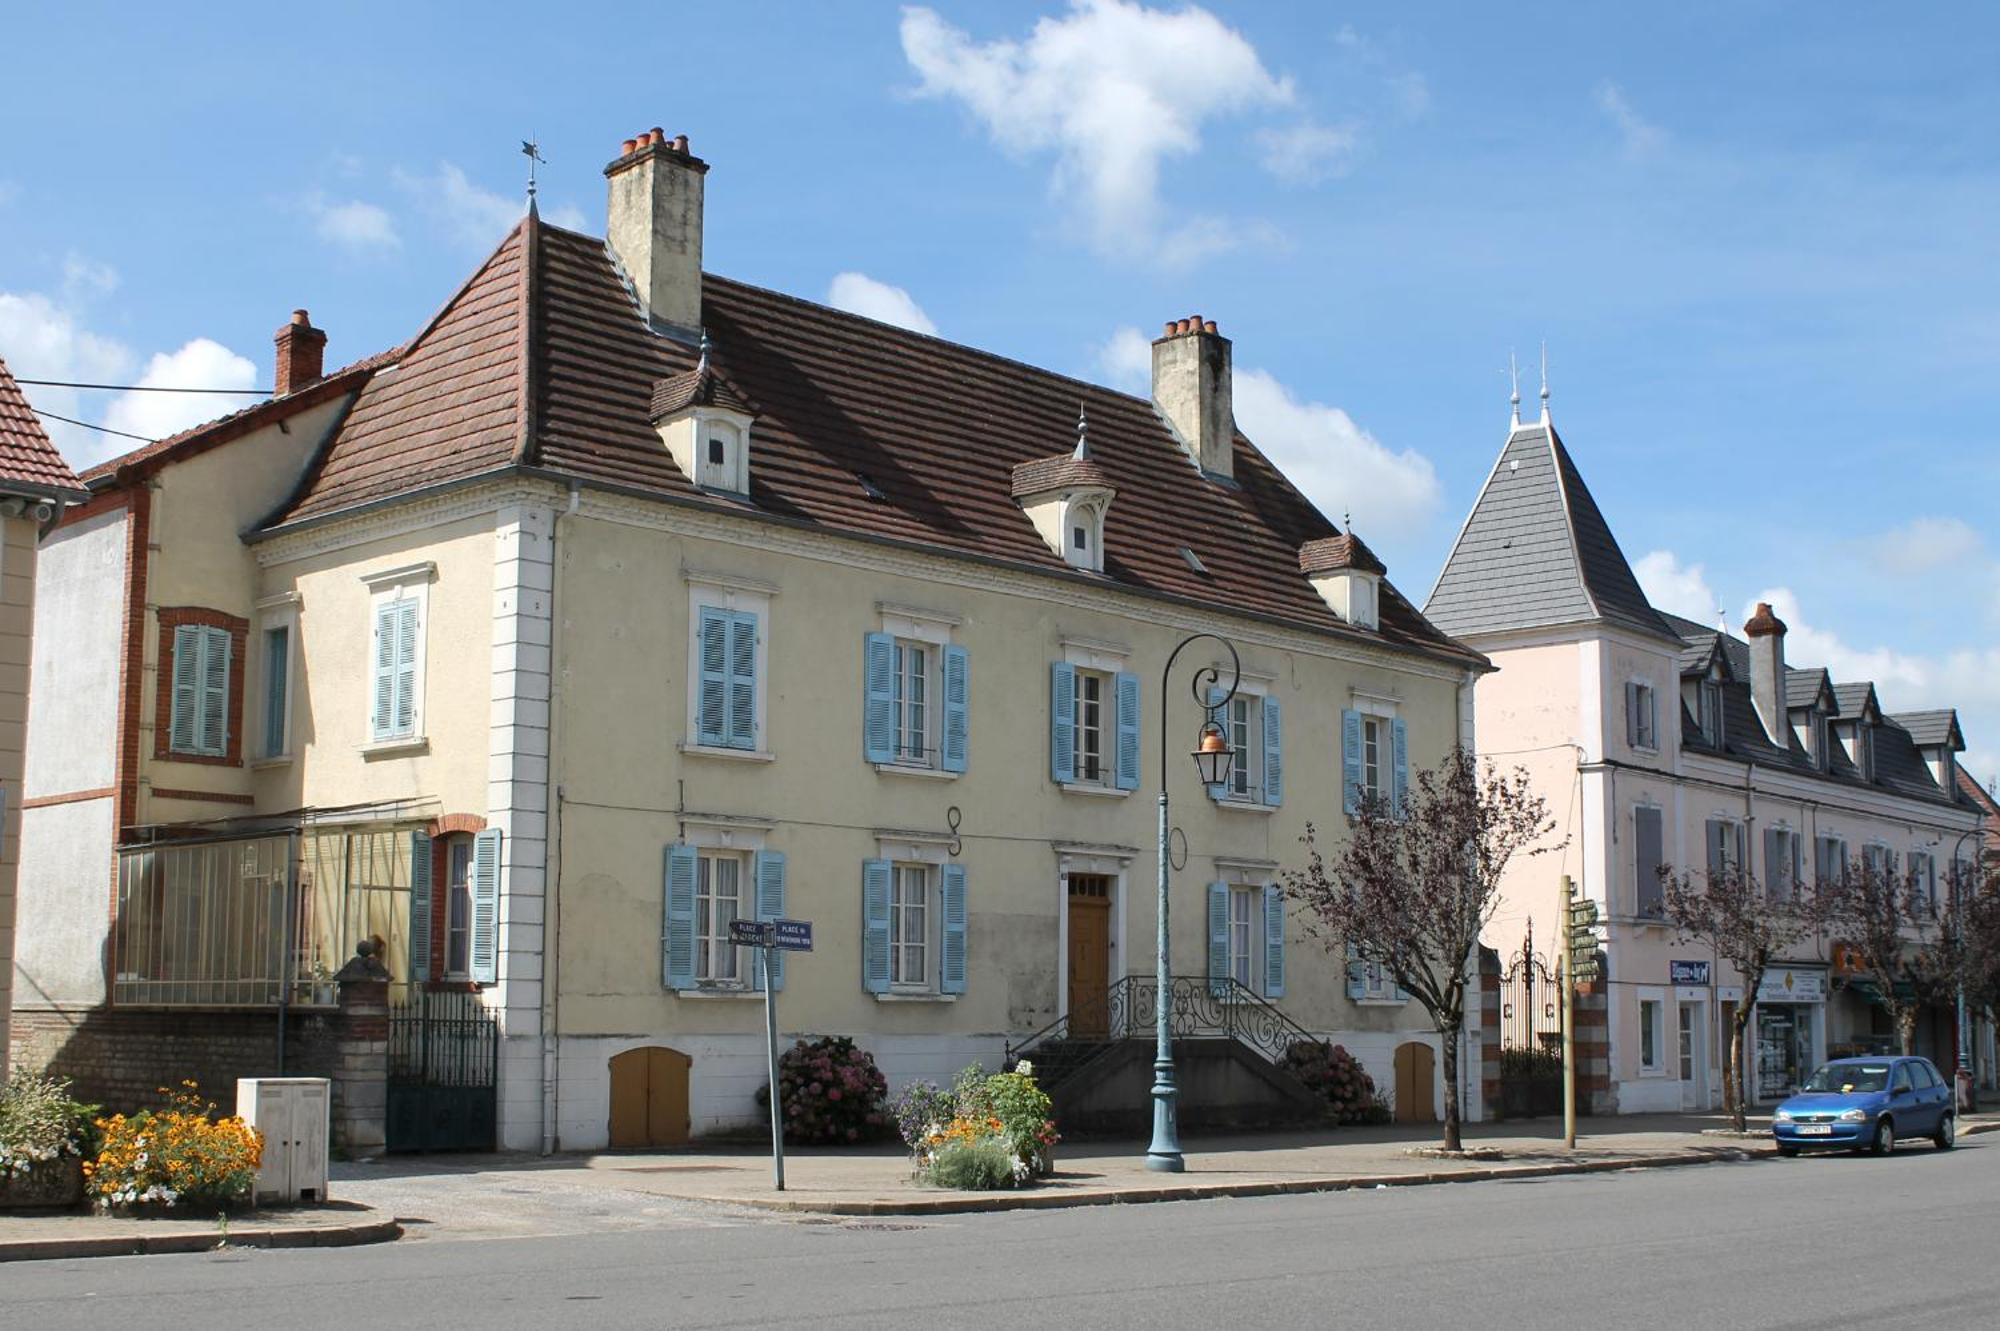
257, 921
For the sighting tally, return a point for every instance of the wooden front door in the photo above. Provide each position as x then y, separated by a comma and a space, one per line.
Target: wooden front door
1089, 956
1416, 1071
649, 1097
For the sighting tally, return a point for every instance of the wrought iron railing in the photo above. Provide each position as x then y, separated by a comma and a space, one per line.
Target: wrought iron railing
1198, 1006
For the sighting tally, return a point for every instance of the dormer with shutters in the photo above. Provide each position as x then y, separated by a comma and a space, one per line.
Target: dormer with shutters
705, 424
1811, 705
1860, 713
1347, 576
1066, 498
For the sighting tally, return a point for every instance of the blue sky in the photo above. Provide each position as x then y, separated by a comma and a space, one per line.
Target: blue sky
1758, 238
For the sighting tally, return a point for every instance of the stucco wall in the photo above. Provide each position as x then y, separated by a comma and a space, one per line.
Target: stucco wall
65, 903
73, 724
17, 594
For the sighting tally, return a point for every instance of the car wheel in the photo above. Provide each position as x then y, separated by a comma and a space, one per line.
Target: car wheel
1947, 1132
1788, 1151
1885, 1137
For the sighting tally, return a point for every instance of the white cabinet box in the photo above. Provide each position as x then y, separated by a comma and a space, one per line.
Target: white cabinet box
293, 1114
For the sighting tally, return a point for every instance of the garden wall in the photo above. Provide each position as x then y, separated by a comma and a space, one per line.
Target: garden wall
120, 1057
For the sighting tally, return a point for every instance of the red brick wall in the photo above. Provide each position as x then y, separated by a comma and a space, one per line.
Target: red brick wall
120, 1058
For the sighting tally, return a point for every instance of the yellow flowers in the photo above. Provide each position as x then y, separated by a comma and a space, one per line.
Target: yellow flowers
180, 1155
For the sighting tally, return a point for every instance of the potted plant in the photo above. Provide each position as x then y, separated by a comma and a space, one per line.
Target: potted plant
44, 1136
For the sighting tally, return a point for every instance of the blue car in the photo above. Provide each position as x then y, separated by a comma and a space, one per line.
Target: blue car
1865, 1104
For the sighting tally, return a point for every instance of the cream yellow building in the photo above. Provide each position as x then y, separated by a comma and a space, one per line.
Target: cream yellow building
625, 600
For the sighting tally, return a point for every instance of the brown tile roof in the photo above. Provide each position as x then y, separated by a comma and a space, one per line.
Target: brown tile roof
696, 388
1064, 471
862, 428
27, 457
1333, 553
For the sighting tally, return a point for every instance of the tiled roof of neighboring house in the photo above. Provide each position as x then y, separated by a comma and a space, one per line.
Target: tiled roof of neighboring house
1931, 728
1804, 687
542, 360
1856, 698
148, 458
1334, 553
1699, 642
28, 460
1983, 800
1537, 551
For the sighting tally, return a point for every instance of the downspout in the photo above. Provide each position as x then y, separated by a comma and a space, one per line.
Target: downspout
552, 869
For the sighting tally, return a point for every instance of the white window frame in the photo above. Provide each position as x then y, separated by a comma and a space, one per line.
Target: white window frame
1927, 877
1655, 999
1793, 864
1105, 729
930, 631
457, 890
1377, 775
710, 943
1738, 843
732, 474
717, 591
1084, 516
931, 854
1645, 721
1377, 985
411, 582
1244, 965
925, 875
278, 612
1840, 861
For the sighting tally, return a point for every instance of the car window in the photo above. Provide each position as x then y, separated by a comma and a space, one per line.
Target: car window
1902, 1082
1845, 1078
1928, 1075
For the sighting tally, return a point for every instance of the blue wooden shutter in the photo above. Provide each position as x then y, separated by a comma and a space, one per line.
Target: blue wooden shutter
1357, 976
420, 906
216, 646
186, 668
1631, 714
957, 709
382, 692
677, 919
407, 631
712, 725
878, 697
1350, 761
1218, 937
951, 894
277, 680
771, 906
1274, 941
875, 926
742, 680
1399, 737
1062, 722
486, 906
1126, 686
1274, 756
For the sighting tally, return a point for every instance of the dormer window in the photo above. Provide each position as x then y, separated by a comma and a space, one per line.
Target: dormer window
1347, 576
1066, 497
705, 424
720, 469
1710, 719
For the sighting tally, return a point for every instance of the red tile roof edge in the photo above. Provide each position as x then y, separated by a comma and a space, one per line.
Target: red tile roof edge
30, 463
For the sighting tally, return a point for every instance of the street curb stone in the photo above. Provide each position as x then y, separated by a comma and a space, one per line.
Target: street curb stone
141, 1244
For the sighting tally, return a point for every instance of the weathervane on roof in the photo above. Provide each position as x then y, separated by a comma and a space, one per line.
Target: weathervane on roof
1514, 378
1545, 381
1082, 433
701, 366
532, 150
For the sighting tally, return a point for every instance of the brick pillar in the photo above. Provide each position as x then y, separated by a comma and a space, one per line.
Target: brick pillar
1489, 1033
1594, 1091
361, 1057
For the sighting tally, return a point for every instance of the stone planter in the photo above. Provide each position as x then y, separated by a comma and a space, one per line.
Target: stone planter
53, 1183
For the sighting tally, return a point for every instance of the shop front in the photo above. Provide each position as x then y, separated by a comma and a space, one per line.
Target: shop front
1790, 1030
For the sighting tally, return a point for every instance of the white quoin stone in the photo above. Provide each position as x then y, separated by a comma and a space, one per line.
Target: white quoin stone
1192, 389
654, 228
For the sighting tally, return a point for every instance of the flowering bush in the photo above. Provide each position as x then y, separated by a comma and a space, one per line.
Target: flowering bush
832, 1092
920, 1109
987, 1132
179, 1156
39, 1124
1336, 1074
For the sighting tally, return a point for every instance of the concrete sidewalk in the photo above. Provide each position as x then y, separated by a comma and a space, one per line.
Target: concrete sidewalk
876, 1182
27, 1236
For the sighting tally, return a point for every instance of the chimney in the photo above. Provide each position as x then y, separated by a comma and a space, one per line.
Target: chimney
301, 355
1191, 388
1766, 633
654, 225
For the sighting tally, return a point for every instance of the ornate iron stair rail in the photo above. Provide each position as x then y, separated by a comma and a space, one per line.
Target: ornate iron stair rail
1198, 1006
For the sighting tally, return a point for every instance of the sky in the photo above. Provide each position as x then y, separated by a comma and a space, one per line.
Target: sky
1757, 239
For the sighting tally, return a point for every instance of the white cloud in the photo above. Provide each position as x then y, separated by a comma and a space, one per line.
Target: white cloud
1340, 466
475, 217
1126, 359
862, 294
1927, 543
567, 216
201, 363
1304, 153
84, 277
1680, 589
1112, 88
1641, 135
354, 225
42, 339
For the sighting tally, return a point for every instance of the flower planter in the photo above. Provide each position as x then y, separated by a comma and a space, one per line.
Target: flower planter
51, 1183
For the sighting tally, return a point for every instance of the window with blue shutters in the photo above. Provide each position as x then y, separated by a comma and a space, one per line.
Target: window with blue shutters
916, 701
876, 924
1374, 760
395, 708
677, 939
1218, 937
728, 656
486, 906
1126, 685
420, 906
1274, 941
769, 869
1253, 724
952, 912
199, 721
1062, 722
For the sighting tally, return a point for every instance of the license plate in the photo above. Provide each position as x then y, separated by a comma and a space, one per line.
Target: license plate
1815, 1130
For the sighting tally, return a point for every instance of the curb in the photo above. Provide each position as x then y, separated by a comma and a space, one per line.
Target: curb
146, 1245
919, 1206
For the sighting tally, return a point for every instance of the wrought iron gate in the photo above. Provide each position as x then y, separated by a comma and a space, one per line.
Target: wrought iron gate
444, 1051
1530, 1035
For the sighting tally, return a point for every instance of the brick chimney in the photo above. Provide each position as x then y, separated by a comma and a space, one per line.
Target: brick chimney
654, 225
301, 355
1766, 633
1191, 387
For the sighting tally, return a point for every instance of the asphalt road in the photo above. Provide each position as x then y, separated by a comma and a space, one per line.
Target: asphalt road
1910, 1241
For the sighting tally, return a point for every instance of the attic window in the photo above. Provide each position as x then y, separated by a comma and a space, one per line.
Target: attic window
1194, 561
718, 450
1086, 529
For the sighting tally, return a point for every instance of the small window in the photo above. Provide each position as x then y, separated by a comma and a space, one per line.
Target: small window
1082, 538
1242, 720
718, 450
1093, 741
1649, 1034
1725, 846
199, 719
458, 907
1243, 910
910, 927
1640, 724
718, 901
277, 680
1372, 736
913, 709
1648, 850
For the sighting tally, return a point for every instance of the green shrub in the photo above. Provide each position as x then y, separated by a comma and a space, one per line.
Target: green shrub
973, 1166
1023, 1110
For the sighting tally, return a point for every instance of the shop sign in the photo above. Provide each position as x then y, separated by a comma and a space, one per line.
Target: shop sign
1788, 985
1687, 972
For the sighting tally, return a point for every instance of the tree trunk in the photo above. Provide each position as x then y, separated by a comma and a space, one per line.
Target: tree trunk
1738, 1093
1906, 1029
1451, 1126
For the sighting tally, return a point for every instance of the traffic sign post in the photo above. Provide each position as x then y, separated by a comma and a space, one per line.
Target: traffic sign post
770, 937
1579, 962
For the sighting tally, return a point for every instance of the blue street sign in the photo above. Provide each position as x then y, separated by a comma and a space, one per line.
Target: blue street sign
794, 935
1687, 972
785, 935
749, 933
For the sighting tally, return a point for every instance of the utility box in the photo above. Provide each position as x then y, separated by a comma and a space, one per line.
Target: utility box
294, 1115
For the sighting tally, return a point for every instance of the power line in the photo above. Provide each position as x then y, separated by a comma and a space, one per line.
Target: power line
143, 388
104, 429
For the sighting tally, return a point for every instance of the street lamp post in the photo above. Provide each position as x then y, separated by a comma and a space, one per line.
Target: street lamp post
1212, 760
1964, 1032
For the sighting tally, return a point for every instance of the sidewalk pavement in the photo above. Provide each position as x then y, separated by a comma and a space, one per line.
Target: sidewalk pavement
26, 1236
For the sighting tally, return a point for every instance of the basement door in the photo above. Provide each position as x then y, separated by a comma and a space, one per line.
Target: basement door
1416, 1075
1089, 956
649, 1098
